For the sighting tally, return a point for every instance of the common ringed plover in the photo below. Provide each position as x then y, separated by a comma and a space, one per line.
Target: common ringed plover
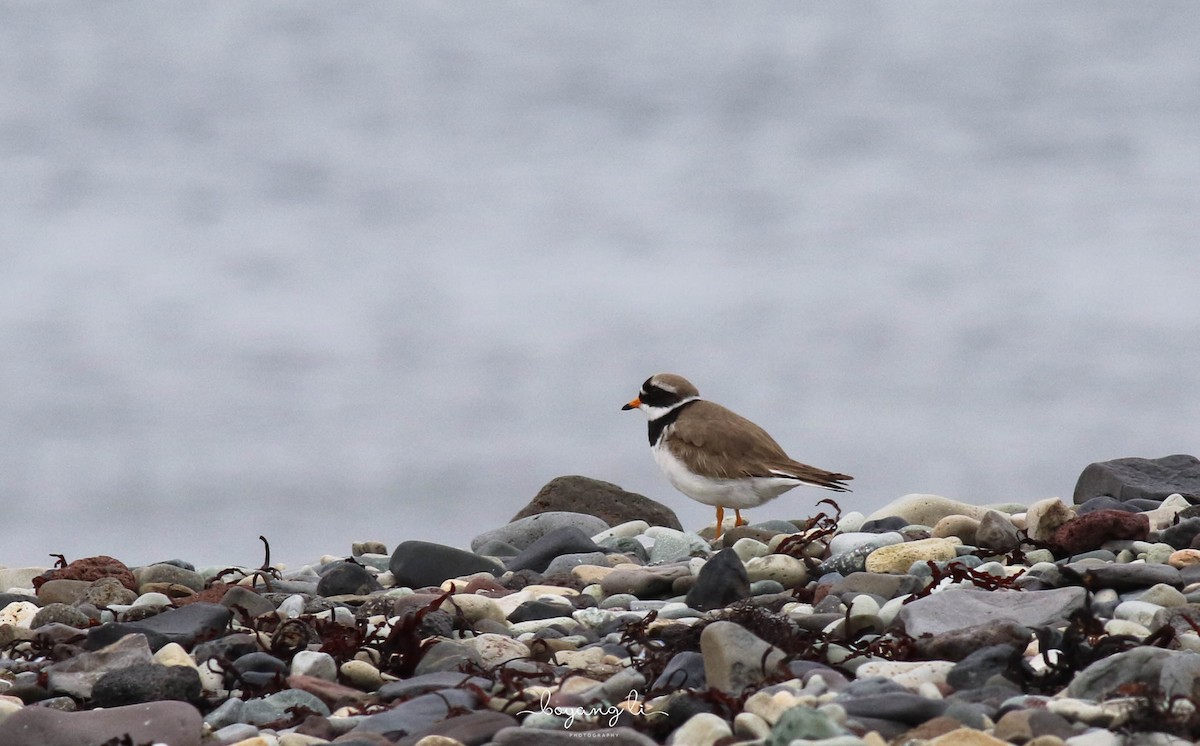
716, 456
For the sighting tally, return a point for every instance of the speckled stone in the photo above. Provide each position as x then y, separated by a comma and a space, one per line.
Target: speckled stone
898, 558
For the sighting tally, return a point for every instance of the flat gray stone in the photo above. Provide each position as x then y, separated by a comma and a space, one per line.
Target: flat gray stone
735, 658
176, 723
954, 609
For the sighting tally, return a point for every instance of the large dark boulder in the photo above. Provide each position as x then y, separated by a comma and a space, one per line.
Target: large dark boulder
1133, 478
604, 500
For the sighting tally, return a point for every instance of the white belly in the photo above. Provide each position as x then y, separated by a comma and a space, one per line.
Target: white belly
748, 492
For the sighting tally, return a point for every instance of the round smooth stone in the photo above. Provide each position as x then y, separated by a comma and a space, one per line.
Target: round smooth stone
1184, 558
788, 571
851, 522
1139, 612
1125, 627
963, 526
316, 664
747, 548
1162, 595
1159, 553
18, 614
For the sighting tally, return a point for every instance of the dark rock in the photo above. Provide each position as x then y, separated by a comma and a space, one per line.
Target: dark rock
955, 609
884, 525
496, 548
981, 665
535, 609
721, 581
417, 714
1124, 577
566, 540
685, 670
957, 645
606, 501
898, 707
260, 669
346, 579
419, 564
186, 626
430, 682
146, 682
1128, 478
524, 531
1087, 532
89, 569
1182, 534
176, 723
76, 676
227, 648
1105, 502
437, 622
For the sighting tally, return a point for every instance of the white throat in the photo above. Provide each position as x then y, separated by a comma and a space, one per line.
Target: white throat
653, 413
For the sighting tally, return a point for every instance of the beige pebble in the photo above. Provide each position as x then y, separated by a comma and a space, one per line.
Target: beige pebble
18, 614
496, 649
770, 707
1184, 558
588, 574
910, 674
362, 675
897, 558
475, 608
436, 741
173, 654
749, 725
1044, 517
788, 571
962, 526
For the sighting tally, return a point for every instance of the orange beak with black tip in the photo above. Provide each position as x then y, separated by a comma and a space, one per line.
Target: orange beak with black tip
637, 402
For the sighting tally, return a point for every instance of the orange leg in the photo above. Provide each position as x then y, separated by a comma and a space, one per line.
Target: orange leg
720, 520
740, 521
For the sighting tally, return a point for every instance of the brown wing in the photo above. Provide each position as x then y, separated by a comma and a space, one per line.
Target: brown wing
741, 450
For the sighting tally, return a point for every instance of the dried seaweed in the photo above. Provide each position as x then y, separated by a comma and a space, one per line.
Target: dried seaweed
264, 572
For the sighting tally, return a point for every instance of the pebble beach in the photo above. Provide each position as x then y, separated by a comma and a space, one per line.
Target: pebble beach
593, 617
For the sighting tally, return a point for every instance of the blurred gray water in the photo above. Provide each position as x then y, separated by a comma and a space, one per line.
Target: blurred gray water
328, 272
